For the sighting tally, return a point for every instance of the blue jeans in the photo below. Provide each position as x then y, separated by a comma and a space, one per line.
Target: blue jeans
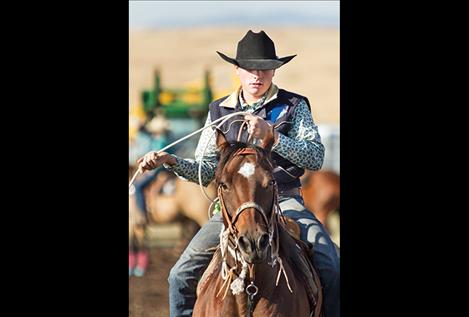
140, 185
187, 271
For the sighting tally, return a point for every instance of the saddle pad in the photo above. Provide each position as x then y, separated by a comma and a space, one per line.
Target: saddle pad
292, 228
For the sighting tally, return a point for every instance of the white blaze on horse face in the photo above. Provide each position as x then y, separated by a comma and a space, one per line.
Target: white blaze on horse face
247, 169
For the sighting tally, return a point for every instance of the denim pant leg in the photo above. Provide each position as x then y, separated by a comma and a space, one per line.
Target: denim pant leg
325, 256
188, 270
140, 187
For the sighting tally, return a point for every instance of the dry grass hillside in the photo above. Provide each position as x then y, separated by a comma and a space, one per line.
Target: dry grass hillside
183, 54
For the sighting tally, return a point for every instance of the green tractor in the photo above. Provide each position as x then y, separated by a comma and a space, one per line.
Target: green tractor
177, 103
185, 108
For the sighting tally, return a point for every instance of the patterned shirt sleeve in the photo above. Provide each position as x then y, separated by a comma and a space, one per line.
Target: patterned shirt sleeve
303, 145
188, 169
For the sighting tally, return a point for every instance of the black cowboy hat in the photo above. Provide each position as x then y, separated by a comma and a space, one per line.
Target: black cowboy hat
256, 51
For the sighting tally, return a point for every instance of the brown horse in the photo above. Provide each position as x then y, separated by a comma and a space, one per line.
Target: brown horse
184, 203
321, 193
258, 268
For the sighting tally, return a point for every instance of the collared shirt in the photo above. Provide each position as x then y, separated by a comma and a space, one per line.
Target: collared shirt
250, 108
302, 146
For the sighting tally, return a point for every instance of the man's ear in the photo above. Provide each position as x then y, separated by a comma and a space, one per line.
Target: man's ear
221, 139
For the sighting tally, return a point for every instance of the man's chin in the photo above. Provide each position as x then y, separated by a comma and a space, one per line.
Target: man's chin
258, 93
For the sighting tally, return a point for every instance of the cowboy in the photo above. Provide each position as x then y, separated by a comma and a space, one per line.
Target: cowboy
157, 135
297, 147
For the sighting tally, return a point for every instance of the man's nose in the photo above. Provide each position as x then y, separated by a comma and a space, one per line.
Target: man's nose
256, 73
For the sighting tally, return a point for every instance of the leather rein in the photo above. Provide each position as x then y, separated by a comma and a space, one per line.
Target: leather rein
231, 233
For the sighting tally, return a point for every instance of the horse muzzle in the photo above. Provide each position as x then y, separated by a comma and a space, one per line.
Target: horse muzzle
254, 248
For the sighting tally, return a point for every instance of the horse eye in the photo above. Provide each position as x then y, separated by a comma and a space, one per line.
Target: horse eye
223, 186
272, 182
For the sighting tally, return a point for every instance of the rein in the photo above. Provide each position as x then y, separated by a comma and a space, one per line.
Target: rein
222, 119
230, 235
246, 205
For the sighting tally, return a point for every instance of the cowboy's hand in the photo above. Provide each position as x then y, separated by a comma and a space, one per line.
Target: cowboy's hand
152, 160
258, 127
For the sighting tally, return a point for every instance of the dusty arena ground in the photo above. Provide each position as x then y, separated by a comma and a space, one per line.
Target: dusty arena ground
148, 295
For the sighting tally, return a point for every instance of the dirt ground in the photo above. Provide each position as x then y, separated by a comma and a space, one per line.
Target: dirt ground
148, 295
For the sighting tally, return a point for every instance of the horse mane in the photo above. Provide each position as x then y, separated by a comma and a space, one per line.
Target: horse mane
227, 150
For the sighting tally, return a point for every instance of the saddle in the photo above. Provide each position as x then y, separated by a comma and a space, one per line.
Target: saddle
300, 260
292, 227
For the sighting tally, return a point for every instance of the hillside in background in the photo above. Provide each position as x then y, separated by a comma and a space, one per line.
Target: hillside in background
183, 54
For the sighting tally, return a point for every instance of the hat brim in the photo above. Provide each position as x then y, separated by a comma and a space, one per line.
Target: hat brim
260, 64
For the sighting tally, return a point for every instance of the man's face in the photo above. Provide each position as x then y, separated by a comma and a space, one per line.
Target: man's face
255, 82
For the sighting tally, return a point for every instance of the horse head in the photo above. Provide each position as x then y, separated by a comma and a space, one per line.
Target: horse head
247, 193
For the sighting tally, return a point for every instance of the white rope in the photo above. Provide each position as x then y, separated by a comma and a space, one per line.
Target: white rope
206, 147
209, 214
224, 118
223, 249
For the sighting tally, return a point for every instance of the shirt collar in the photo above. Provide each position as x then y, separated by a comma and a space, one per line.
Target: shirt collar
233, 99
254, 105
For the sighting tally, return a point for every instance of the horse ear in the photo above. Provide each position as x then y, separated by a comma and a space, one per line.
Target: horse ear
221, 139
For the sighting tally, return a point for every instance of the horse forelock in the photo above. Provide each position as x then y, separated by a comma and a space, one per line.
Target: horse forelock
248, 179
227, 151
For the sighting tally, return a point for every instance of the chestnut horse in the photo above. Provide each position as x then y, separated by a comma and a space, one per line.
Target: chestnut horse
321, 193
258, 269
184, 203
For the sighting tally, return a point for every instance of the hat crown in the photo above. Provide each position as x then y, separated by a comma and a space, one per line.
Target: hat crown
256, 51
256, 46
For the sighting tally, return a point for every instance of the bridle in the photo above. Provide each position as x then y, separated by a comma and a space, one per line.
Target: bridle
231, 220
230, 233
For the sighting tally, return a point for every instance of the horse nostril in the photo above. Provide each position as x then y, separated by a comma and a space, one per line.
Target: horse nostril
263, 241
244, 243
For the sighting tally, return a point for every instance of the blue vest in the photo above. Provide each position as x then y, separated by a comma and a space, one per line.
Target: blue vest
277, 111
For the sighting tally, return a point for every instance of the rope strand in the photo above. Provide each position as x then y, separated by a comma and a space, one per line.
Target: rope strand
223, 119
